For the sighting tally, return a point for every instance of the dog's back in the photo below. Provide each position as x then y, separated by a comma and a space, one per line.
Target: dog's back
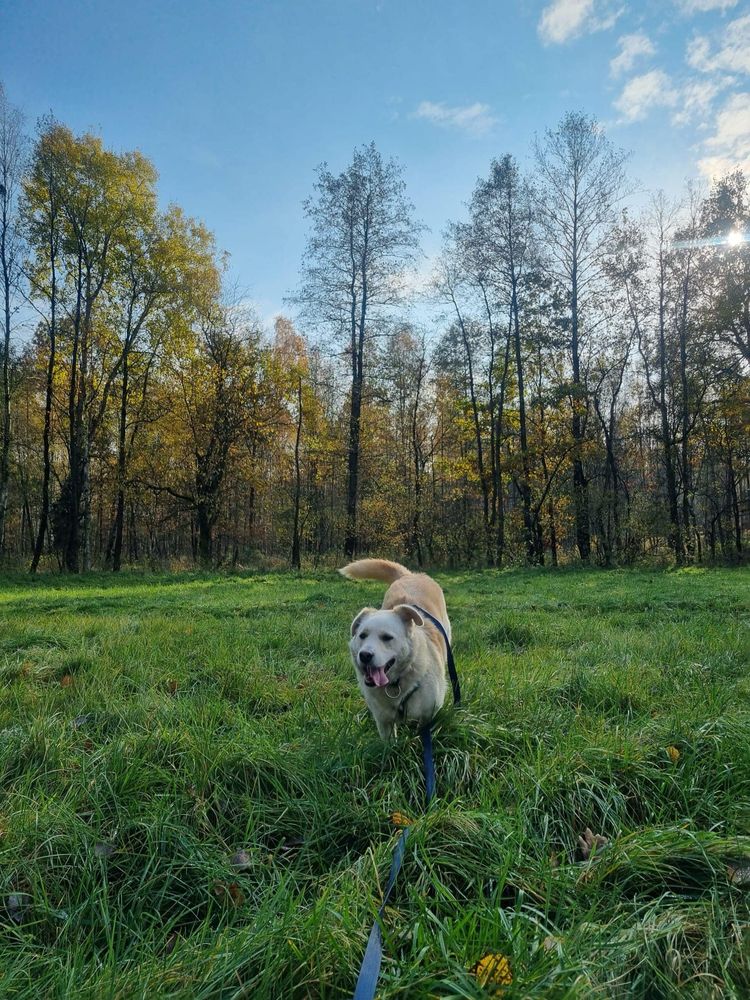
405, 588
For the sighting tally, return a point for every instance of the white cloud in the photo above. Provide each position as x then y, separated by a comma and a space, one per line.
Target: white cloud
563, 20
631, 47
701, 6
476, 119
731, 54
650, 90
696, 99
729, 146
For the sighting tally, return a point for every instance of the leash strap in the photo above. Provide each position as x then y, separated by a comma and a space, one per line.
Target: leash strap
370, 969
369, 972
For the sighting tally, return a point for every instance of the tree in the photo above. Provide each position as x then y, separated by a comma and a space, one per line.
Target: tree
502, 228
214, 379
582, 180
363, 240
165, 264
95, 197
42, 219
12, 154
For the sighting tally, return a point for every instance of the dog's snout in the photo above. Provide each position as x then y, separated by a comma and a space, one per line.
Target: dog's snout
365, 657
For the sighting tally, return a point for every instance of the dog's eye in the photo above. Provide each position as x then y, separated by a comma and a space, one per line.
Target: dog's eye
363, 635
386, 638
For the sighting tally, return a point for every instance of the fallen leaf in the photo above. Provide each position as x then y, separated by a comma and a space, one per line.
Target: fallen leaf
493, 970
399, 819
18, 906
66, 680
591, 844
739, 875
172, 686
550, 943
229, 892
240, 860
674, 754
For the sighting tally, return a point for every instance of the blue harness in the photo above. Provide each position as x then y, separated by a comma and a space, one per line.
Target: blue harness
370, 969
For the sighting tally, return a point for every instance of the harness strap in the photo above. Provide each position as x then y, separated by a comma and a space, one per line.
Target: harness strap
404, 701
369, 972
451, 662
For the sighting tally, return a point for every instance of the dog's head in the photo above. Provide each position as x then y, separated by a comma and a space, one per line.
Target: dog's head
381, 643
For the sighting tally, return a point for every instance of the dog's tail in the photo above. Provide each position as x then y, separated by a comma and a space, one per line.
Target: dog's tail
374, 569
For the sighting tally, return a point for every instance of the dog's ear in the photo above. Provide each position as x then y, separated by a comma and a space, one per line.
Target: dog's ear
360, 616
408, 614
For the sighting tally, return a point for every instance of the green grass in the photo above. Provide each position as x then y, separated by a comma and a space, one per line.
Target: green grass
152, 727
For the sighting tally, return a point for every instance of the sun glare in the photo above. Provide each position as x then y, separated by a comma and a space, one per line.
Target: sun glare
735, 238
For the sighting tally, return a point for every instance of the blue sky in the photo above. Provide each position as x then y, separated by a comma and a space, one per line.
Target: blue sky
236, 103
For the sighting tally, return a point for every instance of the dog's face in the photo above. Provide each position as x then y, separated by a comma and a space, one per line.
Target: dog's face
381, 643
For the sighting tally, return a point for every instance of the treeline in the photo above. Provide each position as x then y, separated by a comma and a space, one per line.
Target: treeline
582, 393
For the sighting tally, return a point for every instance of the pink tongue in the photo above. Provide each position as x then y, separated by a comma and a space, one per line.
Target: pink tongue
379, 676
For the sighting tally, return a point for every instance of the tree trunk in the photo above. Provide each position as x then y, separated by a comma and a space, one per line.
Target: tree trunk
5, 388
205, 527
528, 521
121, 466
580, 484
297, 480
685, 419
47, 432
666, 435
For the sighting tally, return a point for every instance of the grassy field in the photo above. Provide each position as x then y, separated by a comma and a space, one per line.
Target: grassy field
194, 803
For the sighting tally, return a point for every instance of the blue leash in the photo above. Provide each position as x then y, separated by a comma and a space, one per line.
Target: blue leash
369, 972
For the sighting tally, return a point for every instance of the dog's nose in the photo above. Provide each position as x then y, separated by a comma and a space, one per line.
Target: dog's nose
365, 657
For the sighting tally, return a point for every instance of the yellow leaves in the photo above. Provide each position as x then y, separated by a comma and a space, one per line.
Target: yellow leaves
673, 753
494, 971
399, 819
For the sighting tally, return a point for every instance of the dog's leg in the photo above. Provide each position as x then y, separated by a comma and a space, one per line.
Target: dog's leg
387, 730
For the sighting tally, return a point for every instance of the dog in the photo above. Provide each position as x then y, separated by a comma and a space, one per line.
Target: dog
399, 656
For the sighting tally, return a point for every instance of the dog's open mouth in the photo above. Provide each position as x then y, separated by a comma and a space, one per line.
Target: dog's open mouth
378, 676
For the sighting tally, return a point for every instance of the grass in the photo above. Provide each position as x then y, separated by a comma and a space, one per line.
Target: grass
195, 804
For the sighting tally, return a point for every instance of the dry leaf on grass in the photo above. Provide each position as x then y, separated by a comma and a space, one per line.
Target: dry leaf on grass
18, 906
591, 844
240, 860
399, 819
493, 970
229, 893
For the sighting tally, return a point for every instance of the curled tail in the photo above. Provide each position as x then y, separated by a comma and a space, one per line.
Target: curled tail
374, 569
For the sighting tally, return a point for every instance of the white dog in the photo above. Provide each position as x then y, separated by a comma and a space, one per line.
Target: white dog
399, 656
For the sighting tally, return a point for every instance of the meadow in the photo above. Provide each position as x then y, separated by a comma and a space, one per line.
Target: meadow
195, 803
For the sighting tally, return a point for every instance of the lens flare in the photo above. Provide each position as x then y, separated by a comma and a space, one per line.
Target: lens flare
734, 238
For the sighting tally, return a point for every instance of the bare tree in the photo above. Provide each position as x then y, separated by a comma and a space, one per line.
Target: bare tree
582, 180
362, 242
